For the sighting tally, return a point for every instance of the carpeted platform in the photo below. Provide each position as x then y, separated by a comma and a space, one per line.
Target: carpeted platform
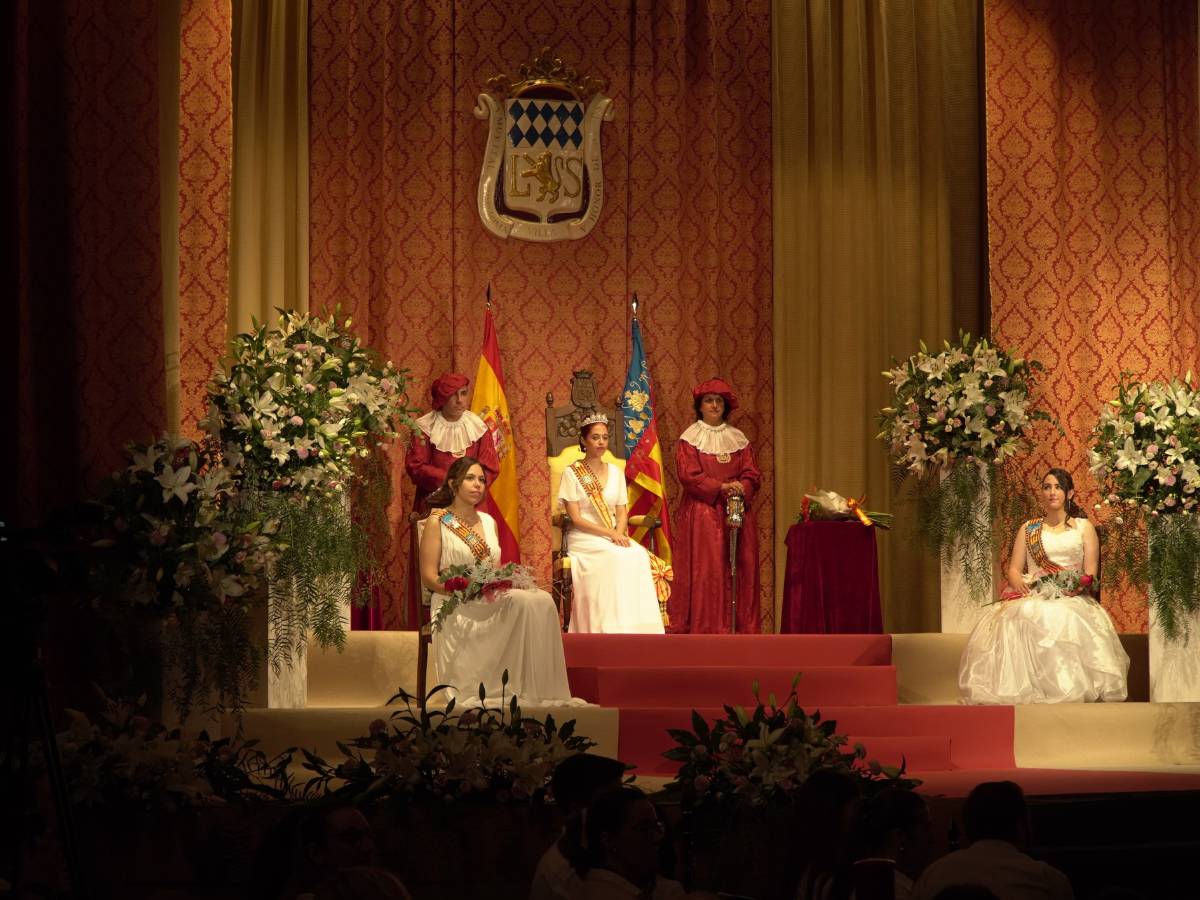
895, 694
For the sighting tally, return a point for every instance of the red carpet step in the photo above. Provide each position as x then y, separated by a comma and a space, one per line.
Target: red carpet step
770, 650
692, 685
978, 737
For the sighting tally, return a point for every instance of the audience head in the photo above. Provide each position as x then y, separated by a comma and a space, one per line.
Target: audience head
459, 473
579, 779
996, 810
622, 833
896, 825
362, 883
337, 837
830, 799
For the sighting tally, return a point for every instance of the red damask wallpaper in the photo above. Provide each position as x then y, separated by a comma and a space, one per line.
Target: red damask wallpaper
396, 239
205, 159
1093, 207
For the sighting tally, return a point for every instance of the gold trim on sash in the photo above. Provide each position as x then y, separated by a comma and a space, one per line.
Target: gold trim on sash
1033, 540
591, 486
477, 545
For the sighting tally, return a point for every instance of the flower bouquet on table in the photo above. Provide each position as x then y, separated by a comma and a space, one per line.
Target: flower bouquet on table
483, 581
828, 505
1145, 456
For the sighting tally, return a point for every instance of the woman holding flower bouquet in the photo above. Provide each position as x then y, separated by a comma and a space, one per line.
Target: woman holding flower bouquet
1047, 640
487, 619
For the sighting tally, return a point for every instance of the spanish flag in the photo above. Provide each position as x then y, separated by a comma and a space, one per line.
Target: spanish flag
489, 402
643, 453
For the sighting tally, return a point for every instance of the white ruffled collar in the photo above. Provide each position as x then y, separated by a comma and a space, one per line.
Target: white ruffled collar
452, 437
715, 440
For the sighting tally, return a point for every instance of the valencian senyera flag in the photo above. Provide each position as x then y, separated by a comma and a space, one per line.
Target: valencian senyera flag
643, 452
489, 402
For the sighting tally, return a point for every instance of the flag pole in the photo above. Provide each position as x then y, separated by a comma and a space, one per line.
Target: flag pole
488, 295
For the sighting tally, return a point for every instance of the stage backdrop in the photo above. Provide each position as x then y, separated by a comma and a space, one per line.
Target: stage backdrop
116, 232
395, 238
1093, 207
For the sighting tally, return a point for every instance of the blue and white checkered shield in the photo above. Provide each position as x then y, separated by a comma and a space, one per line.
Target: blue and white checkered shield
545, 156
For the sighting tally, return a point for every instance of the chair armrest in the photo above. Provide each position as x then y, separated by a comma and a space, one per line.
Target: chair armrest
650, 522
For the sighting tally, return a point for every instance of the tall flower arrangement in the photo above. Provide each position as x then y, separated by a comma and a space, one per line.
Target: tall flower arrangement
300, 401
957, 415
172, 541
300, 408
1145, 455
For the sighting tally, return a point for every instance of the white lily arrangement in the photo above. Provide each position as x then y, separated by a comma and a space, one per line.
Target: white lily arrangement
1146, 446
970, 399
170, 535
299, 401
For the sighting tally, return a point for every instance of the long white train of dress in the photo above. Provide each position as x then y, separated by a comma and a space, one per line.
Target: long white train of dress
519, 632
613, 590
1051, 648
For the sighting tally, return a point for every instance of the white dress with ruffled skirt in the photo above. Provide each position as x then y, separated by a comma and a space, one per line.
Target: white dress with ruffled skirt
1046, 647
519, 632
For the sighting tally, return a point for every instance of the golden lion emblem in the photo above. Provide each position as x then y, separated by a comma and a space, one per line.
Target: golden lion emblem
542, 169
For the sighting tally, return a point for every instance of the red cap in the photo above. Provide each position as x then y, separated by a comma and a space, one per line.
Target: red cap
716, 386
446, 387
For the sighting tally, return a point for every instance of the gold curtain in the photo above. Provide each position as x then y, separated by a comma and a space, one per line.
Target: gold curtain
878, 244
269, 230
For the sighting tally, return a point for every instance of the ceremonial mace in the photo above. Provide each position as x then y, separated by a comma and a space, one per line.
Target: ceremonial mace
735, 514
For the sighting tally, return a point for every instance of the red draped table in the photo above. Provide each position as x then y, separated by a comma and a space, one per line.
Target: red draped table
832, 580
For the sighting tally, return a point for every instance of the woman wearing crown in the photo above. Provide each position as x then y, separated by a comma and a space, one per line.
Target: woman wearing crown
617, 584
714, 461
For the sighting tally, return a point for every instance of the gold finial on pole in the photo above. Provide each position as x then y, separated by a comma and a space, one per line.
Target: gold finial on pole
488, 295
634, 304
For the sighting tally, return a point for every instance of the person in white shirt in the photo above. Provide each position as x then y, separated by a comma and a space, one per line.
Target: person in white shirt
619, 852
997, 825
576, 782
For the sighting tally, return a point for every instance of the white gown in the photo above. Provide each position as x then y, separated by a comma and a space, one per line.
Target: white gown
1034, 649
612, 586
520, 632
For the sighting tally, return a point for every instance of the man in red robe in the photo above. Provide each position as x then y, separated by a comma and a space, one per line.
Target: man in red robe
713, 461
448, 432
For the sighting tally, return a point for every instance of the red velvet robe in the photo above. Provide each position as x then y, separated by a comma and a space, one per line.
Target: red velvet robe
427, 466
700, 599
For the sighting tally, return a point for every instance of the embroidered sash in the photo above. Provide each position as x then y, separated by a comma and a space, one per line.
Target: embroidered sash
1033, 540
595, 493
477, 545
660, 569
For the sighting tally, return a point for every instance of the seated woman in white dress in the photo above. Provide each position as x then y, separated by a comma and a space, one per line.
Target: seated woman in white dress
612, 581
518, 630
1046, 640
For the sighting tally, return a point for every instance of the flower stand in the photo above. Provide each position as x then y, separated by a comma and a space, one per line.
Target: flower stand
961, 610
1174, 663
